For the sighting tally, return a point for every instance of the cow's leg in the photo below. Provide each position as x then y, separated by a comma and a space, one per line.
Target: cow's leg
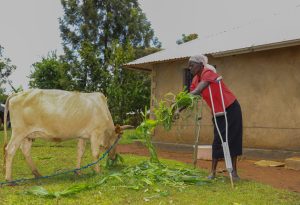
80, 152
26, 147
10, 152
95, 146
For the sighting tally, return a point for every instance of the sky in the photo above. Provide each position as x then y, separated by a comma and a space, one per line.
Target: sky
29, 29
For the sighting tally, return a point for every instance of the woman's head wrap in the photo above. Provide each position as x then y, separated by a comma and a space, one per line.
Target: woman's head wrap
199, 59
202, 59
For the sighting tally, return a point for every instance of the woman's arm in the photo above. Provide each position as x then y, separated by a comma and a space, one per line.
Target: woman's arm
197, 91
200, 87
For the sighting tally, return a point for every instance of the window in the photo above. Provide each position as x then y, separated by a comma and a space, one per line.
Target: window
187, 78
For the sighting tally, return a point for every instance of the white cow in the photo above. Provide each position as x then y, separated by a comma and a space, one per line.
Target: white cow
57, 115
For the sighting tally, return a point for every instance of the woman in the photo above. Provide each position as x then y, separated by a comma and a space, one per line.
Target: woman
204, 76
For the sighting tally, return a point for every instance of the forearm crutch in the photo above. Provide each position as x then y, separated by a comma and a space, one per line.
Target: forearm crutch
198, 118
225, 145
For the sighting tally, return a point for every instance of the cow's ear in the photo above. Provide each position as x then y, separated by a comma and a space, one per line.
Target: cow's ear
118, 129
125, 127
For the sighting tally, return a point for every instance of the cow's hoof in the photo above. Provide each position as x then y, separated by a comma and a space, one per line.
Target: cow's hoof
78, 173
97, 169
36, 174
10, 183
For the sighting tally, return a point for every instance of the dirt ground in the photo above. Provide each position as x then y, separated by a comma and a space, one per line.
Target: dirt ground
278, 177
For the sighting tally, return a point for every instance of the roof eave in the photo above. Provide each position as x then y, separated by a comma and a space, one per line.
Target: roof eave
254, 48
145, 66
140, 67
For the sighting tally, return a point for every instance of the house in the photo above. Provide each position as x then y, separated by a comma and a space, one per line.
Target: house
260, 63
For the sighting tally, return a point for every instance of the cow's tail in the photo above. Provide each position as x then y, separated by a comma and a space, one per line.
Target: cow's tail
6, 109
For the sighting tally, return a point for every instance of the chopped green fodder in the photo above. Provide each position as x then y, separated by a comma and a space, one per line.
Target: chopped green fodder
164, 115
146, 176
145, 131
110, 163
166, 108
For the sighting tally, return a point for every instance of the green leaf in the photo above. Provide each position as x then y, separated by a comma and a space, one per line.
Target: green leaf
73, 190
40, 191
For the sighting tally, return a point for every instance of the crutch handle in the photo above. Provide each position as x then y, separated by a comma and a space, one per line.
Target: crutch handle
219, 78
218, 114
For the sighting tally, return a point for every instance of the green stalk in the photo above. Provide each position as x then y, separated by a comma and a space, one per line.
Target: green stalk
146, 129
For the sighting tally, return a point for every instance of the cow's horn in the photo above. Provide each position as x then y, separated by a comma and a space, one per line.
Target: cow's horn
125, 127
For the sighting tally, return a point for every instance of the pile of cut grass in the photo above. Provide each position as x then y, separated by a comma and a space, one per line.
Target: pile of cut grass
143, 176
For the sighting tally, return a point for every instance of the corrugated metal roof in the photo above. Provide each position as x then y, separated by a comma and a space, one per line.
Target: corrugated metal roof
278, 30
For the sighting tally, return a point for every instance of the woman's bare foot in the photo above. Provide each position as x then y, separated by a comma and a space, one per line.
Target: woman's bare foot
235, 177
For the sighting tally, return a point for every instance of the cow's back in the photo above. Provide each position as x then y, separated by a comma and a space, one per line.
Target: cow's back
60, 113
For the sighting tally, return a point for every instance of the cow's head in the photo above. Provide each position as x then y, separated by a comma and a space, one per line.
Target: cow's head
118, 134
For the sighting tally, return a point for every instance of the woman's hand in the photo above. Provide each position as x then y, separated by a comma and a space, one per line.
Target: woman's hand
176, 115
200, 87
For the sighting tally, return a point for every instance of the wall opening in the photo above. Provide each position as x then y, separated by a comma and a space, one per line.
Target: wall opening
187, 79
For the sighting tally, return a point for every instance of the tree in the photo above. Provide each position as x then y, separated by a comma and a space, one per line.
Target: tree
6, 68
186, 38
129, 91
50, 73
15, 89
89, 30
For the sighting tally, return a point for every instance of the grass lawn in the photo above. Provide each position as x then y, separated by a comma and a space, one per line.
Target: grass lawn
51, 157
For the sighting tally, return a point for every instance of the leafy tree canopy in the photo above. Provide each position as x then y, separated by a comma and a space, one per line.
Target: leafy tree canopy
50, 73
90, 30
